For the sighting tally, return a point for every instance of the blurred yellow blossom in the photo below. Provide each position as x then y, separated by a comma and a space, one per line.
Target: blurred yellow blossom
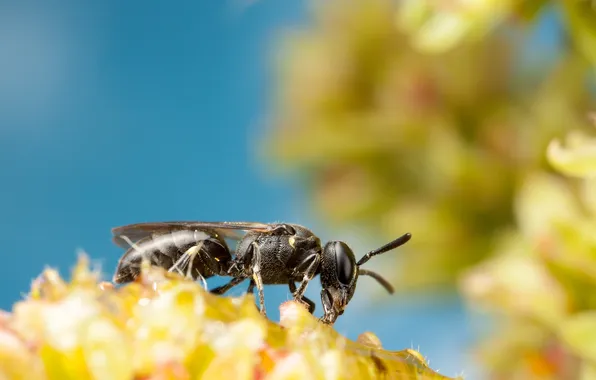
578, 158
389, 137
545, 280
165, 327
439, 25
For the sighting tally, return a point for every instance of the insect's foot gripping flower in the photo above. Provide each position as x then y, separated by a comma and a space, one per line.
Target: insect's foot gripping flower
163, 326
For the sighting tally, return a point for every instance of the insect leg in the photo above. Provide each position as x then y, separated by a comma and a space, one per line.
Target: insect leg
251, 287
329, 315
313, 262
309, 302
224, 288
256, 275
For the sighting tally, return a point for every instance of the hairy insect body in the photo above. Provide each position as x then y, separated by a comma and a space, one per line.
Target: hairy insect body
281, 256
273, 266
199, 253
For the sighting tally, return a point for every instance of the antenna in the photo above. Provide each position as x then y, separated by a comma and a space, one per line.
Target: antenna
384, 283
387, 247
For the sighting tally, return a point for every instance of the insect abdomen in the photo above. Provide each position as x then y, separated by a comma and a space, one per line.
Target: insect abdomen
164, 250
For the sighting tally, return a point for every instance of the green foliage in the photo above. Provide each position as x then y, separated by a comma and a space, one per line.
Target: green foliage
542, 280
418, 117
581, 20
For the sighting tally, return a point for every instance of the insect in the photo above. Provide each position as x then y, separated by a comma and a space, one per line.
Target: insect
266, 253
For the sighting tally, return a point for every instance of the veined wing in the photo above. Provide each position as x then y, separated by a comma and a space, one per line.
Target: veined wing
231, 230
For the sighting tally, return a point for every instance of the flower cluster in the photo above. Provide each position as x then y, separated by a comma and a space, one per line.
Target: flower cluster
166, 327
542, 281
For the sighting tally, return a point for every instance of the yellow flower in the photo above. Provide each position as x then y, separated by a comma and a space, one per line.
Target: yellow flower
165, 327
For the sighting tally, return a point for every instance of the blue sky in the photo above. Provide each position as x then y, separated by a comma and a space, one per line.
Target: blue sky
117, 113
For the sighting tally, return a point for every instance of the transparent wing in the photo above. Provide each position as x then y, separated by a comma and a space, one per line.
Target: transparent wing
231, 230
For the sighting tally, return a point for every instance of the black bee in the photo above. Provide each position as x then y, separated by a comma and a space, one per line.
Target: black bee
267, 254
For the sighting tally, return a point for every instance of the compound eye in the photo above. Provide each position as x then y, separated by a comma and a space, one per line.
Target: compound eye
345, 263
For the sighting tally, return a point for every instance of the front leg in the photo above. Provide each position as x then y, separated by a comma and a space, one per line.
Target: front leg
310, 304
329, 314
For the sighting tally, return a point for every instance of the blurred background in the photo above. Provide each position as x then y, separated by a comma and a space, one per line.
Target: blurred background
359, 119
